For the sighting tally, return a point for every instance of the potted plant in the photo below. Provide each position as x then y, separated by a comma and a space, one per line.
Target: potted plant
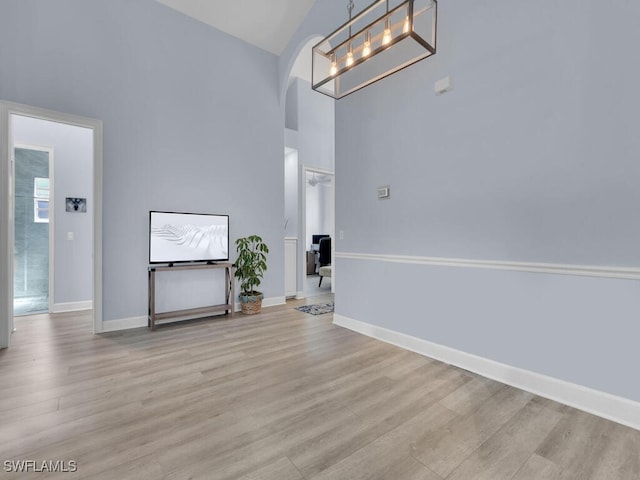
250, 267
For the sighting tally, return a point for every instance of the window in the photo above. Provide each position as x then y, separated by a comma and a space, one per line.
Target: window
41, 200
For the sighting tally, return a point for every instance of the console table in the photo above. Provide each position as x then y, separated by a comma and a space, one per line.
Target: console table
227, 307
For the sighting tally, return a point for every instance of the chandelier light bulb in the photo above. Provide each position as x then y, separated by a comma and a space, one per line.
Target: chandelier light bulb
366, 48
386, 36
381, 39
349, 61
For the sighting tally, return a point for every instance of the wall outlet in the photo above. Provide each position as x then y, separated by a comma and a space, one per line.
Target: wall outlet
341, 235
69, 235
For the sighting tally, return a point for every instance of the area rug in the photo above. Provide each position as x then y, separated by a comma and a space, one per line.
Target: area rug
317, 309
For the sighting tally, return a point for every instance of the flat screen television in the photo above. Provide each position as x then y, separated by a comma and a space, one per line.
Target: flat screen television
188, 237
315, 239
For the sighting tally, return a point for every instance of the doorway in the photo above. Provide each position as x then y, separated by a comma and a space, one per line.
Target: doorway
12, 115
33, 229
318, 220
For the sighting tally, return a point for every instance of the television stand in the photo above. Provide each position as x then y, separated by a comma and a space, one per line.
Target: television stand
191, 313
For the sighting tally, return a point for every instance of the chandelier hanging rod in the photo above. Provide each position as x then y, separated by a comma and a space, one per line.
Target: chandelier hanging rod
350, 22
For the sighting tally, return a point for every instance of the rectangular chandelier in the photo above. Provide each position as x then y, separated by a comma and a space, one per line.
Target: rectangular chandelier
385, 41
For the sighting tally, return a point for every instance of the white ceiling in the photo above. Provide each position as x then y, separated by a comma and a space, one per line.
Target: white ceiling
268, 24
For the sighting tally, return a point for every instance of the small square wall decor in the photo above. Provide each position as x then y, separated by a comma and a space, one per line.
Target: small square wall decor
76, 205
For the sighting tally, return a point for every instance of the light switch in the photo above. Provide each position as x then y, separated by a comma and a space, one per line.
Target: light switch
384, 192
443, 85
69, 235
341, 235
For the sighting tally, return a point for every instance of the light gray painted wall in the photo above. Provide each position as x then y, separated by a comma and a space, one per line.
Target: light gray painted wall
529, 158
291, 138
291, 108
582, 330
192, 121
291, 193
532, 157
73, 177
316, 128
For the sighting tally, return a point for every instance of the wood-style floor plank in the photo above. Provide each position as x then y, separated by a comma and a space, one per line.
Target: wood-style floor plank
282, 469
447, 448
503, 454
281, 395
538, 468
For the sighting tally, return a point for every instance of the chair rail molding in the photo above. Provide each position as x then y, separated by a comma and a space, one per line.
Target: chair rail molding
549, 268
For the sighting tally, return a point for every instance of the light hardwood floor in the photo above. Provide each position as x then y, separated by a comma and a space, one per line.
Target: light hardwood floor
285, 396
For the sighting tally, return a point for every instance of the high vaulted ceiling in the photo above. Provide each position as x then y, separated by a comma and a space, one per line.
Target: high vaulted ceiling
268, 24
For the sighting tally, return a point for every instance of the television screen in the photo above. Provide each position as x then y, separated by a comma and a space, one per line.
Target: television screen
315, 239
188, 237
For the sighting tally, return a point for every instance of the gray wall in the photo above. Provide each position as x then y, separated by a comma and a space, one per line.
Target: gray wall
192, 121
291, 110
533, 157
72, 177
529, 158
291, 193
316, 128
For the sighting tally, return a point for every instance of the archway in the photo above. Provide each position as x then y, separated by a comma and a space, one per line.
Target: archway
309, 146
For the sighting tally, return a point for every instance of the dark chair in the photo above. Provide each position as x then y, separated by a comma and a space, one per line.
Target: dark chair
324, 251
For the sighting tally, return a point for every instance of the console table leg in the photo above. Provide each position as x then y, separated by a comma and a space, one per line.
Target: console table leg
232, 300
152, 300
226, 288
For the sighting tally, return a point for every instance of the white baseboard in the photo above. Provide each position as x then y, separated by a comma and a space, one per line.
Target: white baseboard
124, 324
611, 407
71, 306
142, 321
301, 295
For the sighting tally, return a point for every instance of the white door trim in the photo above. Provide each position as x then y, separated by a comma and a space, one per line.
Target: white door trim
50, 151
6, 234
6, 214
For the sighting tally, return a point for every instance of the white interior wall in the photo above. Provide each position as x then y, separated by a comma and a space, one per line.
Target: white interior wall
314, 211
325, 206
291, 193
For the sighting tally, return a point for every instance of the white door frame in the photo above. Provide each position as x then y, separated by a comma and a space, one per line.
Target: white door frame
49, 150
303, 224
7, 109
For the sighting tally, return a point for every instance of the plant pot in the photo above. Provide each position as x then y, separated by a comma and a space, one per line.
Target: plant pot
251, 304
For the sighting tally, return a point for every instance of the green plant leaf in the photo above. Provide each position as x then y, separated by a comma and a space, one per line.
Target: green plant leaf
251, 262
